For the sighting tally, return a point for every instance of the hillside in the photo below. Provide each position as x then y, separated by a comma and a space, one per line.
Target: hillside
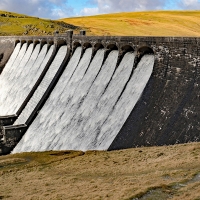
18, 24
154, 23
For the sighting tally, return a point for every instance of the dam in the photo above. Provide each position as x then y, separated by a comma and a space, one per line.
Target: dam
78, 92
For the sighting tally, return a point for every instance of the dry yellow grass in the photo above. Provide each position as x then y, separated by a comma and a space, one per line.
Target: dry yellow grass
117, 175
154, 23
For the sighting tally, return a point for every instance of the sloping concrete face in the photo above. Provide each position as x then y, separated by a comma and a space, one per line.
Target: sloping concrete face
146, 94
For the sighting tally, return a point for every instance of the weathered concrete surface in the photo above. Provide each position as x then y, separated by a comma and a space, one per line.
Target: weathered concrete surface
169, 109
7, 120
11, 135
7, 47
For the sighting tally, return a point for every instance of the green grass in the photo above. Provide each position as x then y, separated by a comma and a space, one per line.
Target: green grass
18, 24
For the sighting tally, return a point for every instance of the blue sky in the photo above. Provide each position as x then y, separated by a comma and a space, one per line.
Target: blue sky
55, 9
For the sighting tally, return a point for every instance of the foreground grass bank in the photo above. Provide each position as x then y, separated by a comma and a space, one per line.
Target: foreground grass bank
152, 23
144, 173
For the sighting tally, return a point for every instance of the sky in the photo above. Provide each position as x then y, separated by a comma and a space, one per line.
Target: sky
56, 9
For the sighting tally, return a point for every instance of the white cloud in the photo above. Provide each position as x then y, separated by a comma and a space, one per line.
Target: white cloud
89, 11
58, 13
190, 4
40, 8
109, 6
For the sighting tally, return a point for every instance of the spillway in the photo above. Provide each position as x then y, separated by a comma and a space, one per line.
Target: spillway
74, 69
7, 74
25, 78
78, 119
40, 65
8, 68
125, 104
89, 130
40, 91
7, 98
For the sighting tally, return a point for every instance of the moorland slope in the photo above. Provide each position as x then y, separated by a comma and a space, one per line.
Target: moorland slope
19, 24
152, 23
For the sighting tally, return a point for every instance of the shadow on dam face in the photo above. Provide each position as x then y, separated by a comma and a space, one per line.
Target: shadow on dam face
131, 92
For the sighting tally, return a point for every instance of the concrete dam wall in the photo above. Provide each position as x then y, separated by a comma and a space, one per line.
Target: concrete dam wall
77, 92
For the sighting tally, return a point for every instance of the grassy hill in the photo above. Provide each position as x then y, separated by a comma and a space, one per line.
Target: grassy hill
18, 24
154, 23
